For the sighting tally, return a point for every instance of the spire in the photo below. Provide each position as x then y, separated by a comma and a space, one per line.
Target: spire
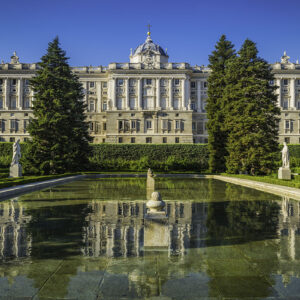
149, 30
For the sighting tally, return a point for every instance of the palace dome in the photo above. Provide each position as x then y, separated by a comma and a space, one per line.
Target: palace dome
149, 45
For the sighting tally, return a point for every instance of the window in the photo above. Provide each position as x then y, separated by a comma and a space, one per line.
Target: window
26, 103
14, 125
92, 105
289, 125
148, 140
193, 84
177, 124
103, 140
176, 103
2, 125
104, 84
120, 82
176, 82
14, 81
91, 124
194, 126
205, 84
1, 103
119, 103
298, 81
177, 140
1, 81
298, 104
133, 124
132, 140
25, 124
164, 140
126, 125
13, 103
26, 81
181, 125
12, 139
132, 82
120, 125
285, 82
104, 106
148, 81
132, 103
193, 106
285, 104
287, 140
104, 125
148, 124
120, 140
271, 82
2, 139
26, 139
163, 82
92, 84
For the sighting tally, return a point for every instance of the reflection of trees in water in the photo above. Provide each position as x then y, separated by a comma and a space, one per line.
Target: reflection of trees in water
241, 218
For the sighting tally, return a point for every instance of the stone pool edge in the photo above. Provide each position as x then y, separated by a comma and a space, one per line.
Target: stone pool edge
279, 190
34, 186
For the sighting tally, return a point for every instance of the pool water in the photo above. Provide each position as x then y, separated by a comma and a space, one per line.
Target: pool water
91, 239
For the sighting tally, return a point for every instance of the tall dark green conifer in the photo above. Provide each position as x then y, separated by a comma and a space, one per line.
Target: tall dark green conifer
217, 138
251, 114
59, 131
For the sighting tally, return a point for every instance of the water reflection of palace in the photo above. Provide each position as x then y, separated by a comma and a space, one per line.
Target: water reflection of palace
117, 228
288, 233
14, 240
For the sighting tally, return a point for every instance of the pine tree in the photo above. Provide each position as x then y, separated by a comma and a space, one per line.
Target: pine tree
59, 131
251, 113
217, 137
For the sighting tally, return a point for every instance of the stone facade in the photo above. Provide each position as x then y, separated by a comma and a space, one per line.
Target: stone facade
148, 100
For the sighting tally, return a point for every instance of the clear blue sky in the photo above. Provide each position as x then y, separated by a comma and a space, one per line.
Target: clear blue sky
97, 32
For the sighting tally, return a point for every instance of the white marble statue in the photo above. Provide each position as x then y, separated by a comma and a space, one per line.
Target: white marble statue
16, 153
285, 156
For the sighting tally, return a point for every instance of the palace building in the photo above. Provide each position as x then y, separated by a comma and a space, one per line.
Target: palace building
145, 100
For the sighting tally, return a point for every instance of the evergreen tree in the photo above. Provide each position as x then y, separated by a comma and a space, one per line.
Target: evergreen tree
217, 137
251, 113
59, 131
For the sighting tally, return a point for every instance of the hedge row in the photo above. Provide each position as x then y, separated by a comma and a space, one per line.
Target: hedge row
138, 156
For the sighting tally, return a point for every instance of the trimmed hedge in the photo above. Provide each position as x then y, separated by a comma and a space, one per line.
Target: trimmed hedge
138, 157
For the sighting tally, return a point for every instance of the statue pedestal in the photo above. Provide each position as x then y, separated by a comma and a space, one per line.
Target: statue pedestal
15, 170
284, 173
156, 231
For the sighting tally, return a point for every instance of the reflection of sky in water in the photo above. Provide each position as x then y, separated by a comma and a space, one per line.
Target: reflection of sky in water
86, 240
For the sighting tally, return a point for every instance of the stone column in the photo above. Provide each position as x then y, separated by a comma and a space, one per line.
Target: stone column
199, 109
99, 96
140, 94
157, 103
170, 104
20, 93
278, 83
127, 104
113, 94
6, 95
182, 106
292, 93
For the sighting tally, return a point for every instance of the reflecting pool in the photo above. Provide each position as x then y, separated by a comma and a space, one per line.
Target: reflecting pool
90, 239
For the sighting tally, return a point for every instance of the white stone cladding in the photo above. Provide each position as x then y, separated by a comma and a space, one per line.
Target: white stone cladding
148, 100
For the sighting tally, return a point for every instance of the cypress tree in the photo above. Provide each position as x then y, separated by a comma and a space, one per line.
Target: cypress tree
217, 137
251, 114
59, 131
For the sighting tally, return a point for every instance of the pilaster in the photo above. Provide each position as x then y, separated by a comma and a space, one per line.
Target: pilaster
278, 83
99, 96
170, 102
7, 92
199, 106
157, 102
20, 94
292, 93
